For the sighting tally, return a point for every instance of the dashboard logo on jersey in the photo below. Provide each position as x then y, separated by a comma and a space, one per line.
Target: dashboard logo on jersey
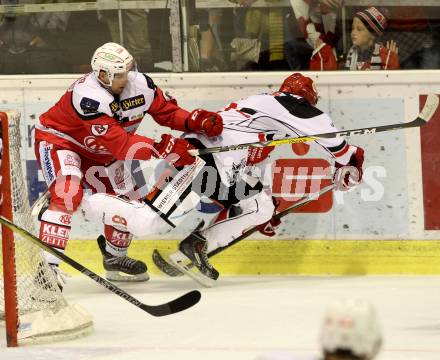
99, 130
89, 106
133, 102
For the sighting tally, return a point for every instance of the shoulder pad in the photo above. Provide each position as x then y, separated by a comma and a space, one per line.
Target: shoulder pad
296, 106
90, 100
89, 106
150, 82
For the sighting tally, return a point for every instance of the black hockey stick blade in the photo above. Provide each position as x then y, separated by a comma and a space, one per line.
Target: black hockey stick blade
425, 115
164, 266
181, 303
174, 306
170, 270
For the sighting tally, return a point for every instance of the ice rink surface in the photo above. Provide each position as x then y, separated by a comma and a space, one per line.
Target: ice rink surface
242, 317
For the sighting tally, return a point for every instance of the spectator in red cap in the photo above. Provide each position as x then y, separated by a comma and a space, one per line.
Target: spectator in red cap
367, 53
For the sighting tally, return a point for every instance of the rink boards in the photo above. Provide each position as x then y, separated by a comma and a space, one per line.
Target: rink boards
300, 257
388, 225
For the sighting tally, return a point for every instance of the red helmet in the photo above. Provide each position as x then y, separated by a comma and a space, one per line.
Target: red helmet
302, 86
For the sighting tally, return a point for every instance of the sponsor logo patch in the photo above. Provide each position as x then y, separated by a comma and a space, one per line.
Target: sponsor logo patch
114, 106
70, 160
121, 239
99, 130
48, 164
120, 178
133, 102
66, 219
89, 106
54, 235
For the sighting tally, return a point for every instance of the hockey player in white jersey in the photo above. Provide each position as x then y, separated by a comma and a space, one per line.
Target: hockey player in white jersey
289, 112
350, 331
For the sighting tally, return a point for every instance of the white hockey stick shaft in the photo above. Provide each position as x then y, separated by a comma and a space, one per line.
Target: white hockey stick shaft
424, 116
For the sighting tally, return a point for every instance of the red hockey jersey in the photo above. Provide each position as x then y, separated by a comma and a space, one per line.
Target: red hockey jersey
91, 121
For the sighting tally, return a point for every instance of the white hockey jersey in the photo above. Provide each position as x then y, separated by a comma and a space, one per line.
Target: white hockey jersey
269, 117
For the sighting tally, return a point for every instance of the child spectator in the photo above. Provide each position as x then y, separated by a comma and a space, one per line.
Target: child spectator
366, 53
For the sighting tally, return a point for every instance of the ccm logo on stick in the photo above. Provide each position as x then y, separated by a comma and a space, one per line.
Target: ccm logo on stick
356, 132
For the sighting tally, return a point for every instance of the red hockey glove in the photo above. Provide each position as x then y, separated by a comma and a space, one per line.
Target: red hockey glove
269, 227
205, 122
350, 174
174, 151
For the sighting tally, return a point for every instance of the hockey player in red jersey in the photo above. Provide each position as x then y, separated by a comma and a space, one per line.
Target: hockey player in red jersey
288, 112
84, 138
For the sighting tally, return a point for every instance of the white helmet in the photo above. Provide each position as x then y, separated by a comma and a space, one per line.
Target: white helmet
352, 325
113, 59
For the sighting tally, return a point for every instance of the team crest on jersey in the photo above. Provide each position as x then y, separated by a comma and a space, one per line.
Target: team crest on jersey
99, 130
114, 106
133, 102
89, 106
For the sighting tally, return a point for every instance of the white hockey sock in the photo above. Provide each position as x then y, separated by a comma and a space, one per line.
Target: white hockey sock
229, 225
117, 241
54, 231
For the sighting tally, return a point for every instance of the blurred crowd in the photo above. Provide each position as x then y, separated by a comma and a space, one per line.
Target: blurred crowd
232, 35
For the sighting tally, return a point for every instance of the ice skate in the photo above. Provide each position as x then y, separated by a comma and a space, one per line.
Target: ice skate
192, 256
122, 268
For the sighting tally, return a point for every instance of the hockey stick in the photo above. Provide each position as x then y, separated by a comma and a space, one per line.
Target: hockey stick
41, 202
425, 115
181, 303
170, 270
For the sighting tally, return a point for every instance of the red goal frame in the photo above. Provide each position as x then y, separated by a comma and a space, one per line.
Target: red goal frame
9, 278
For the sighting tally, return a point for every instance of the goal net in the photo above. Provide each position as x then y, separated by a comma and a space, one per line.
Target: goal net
31, 304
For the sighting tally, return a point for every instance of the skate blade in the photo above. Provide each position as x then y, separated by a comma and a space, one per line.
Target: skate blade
164, 265
180, 261
118, 276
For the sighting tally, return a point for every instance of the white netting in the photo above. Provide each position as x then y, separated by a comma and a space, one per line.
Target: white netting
37, 288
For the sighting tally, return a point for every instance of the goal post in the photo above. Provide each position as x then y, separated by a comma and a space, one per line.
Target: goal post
8, 250
31, 303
